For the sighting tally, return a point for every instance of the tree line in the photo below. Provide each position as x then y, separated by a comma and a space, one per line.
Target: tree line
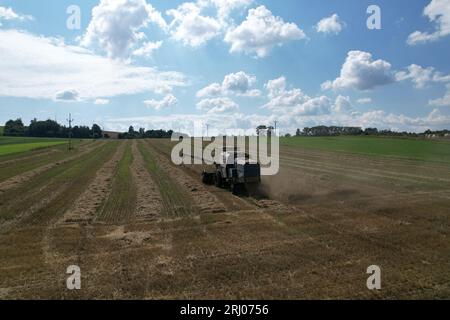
145, 134
358, 131
50, 129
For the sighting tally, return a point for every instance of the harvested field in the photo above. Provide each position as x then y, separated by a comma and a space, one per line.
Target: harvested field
16, 180
120, 204
140, 227
203, 200
86, 206
149, 204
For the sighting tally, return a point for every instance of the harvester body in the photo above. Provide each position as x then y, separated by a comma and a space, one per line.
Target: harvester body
237, 172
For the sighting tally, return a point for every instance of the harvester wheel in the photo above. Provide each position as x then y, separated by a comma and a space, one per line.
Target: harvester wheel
237, 189
219, 180
206, 179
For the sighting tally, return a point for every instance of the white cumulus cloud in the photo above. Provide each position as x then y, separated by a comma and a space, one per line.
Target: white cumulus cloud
116, 24
281, 98
361, 72
261, 32
147, 49
67, 95
364, 100
195, 23
220, 122
217, 105
314, 106
214, 89
343, 105
101, 101
225, 7
421, 76
238, 83
167, 102
53, 66
9, 14
191, 27
442, 102
438, 12
294, 101
332, 24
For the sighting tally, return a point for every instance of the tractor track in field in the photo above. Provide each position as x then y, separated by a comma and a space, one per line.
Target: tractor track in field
18, 180
149, 203
85, 207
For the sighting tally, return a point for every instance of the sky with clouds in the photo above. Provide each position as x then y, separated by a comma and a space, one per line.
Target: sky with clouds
228, 63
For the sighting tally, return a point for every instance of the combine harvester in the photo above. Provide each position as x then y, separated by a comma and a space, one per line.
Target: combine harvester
237, 172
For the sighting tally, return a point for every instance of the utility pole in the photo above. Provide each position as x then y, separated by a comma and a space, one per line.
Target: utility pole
70, 120
207, 130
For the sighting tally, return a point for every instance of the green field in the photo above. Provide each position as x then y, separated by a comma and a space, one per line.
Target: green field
11, 145
406, 148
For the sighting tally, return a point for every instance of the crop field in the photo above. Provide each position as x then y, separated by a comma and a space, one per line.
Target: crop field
12, 145
405, 148
140, 227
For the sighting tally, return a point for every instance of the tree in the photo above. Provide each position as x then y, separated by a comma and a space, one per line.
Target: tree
97, 132
371, 131
149, 134
81, 132
48, 128
332, 131
14, 128
298, 133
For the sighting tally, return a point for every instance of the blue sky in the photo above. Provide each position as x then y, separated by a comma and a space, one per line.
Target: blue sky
298, 62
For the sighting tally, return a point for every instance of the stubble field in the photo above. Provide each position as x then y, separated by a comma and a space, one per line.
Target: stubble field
140, 227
